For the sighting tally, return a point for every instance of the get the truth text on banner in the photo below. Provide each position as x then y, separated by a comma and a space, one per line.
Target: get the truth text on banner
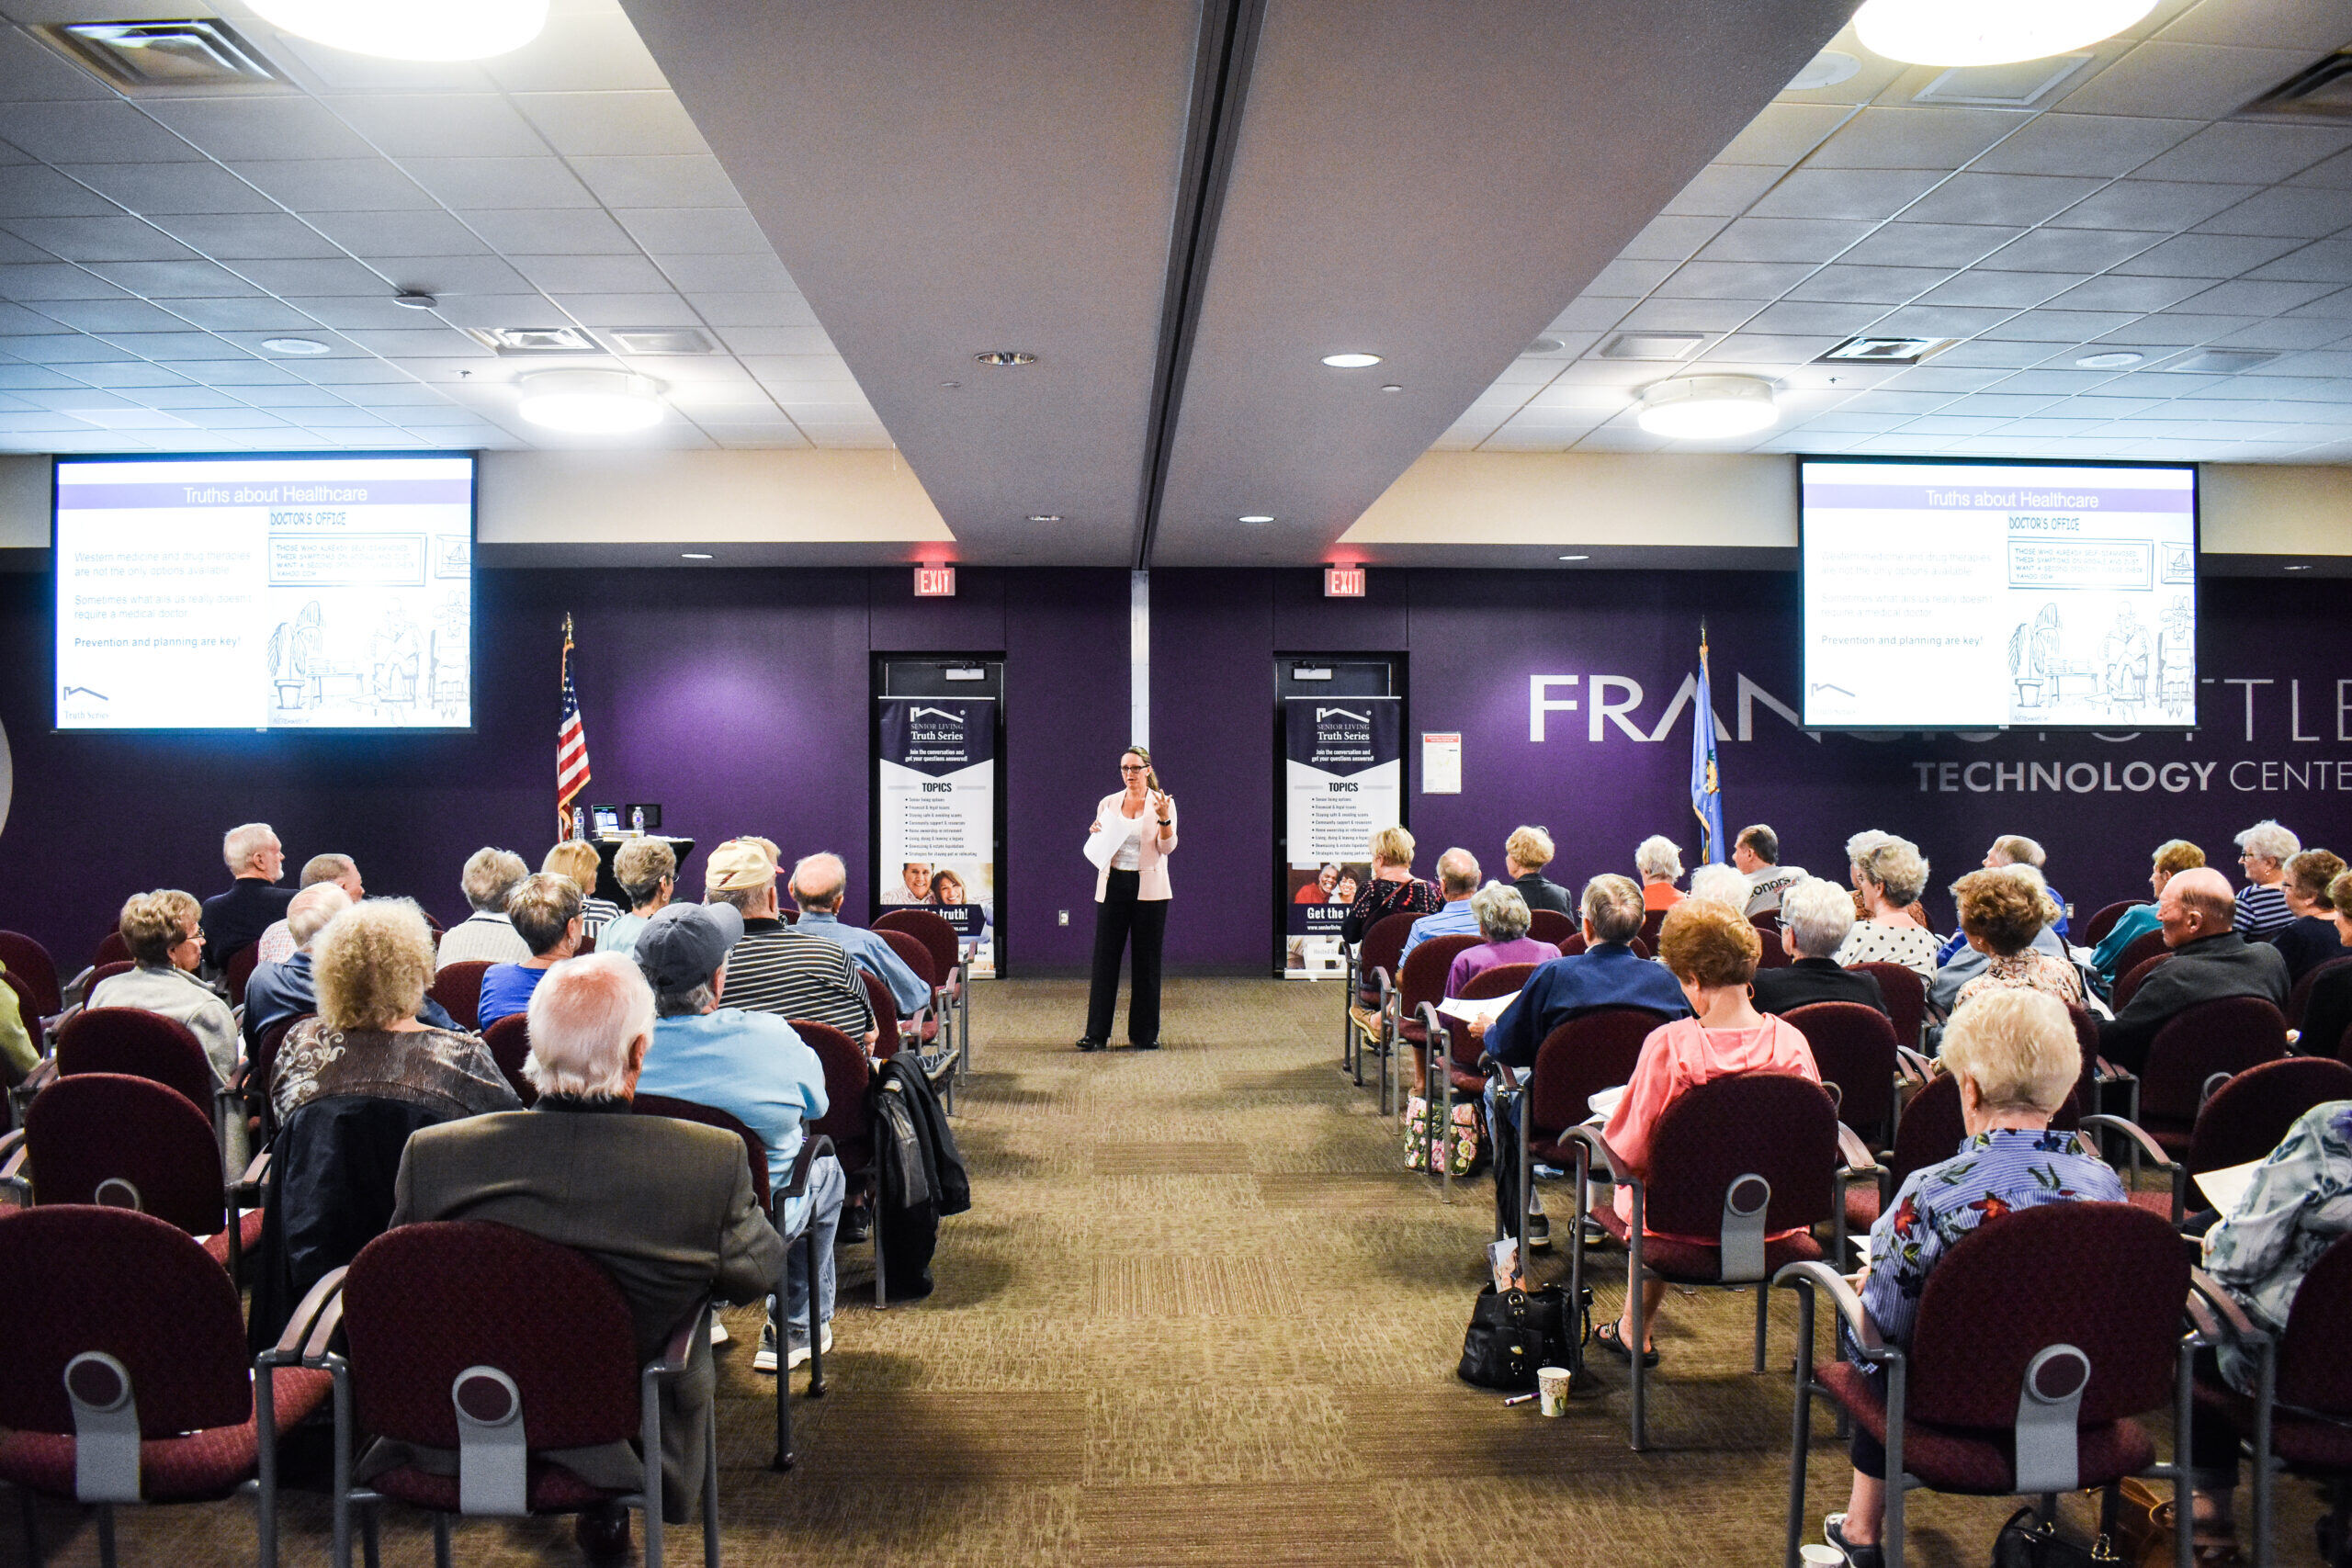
1344, 781
937, 788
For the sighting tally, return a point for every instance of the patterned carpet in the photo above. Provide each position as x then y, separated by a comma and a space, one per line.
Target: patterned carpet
1196, 1315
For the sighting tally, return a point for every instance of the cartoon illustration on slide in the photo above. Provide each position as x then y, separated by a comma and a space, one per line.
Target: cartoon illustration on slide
397, 656
446, 668
2124, 654
2176, 659
2052, 687
296, 663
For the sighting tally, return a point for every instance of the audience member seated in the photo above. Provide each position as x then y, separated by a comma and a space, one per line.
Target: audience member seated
490, 877
1969, 964
1607, 973
2003, 913
1712, 953
370, 967
576, 858
1888, 878
1858, 849
2264, 851
775, 968
161, 931
1392, 890
665, 1206
1721, 885
1503, 916
1525, 854
1756, 854
1659, 862
2013, 1054
544, 910
1816, 916
277, 943
18, 1054
2311, 939
756, 1068
281, 988
647, 870
2328, 1012
818, 884
2173, 857
2012, 848
1457, 878
2209, 961
232, 919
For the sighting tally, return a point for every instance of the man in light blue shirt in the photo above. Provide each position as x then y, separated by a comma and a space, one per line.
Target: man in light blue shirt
755, 1067
1457, 878
818, 882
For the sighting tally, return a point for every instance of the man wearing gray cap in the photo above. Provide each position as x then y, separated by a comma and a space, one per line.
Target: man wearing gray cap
754, 1066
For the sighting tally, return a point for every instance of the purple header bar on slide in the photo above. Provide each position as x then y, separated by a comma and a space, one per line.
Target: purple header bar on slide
199, 493
2014, 497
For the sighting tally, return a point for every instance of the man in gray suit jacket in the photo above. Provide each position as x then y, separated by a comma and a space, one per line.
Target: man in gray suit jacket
2210, 961
665, 1206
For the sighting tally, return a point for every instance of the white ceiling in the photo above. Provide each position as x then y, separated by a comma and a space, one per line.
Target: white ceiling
2121, 210
148, 244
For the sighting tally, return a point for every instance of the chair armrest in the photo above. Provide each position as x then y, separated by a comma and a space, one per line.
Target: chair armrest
325, 1299
44, 1073
12, 1173
2134, 1131
1828, 1281
1858, 1159
1385, 983
2209, 1300
2107, 1072
681, 1343
246, 1189
802, 1162
1496, 1074
1591, 1138
1916, 1067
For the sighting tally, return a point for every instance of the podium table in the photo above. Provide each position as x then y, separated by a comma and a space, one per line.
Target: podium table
608, 886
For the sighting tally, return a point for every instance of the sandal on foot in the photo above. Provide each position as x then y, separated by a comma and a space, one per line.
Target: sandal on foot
1606, 1337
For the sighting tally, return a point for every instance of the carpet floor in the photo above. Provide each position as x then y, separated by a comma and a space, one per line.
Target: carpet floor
1198, 1316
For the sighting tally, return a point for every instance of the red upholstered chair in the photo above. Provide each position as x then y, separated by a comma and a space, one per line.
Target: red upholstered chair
1737, 1158
129, 1142
925, 1023
1372, 1021
2299, 997
1574, 945
1421, 984
457, 988
106, 971
509, 1047
1550, 925
28, 960
2039, 1337
112, 948
1906, 999
144, 1045
886, 1037
2128, 981
1450, 1069
1772, 955
259, 1066
849, 1120
489, 1341
116, 1322
1853, 1048
2139, 950
2223, 1037
949, 979
1590, 1052
1653, 923
2242, 1121
240, 969
2106, 919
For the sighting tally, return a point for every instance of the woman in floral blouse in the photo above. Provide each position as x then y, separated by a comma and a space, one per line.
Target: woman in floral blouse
2001, 912
2013, 1055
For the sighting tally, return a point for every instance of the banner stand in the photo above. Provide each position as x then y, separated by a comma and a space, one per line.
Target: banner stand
1344, 762
936, 790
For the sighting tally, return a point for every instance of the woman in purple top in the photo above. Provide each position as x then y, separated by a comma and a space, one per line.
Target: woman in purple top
1502, 923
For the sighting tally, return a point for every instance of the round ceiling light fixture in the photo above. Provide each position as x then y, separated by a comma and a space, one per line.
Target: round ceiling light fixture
415, 300
1989, 32
1256, 517
590, 402
1351, 361
412, 30
2115, 361
1826, 69
1001, 357
298, 347
1543, 345
1707, 408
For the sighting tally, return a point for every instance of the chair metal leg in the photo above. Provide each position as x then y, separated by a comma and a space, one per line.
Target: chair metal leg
1800, 1428
370, 1545
30, 1511
785, 1458
1890, 1539
816, 1328
441, 1540
105, 1535
1763, 1307
710, 1491
342, 1439
881, 1269
1444, 1139
265, 1455
1641, 1330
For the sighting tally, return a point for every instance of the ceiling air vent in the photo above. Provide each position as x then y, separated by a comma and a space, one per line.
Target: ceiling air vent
1886, 350
2220, 361
657, 340
2018, 85
198, 52
1651, 346
534, 340
2323, 91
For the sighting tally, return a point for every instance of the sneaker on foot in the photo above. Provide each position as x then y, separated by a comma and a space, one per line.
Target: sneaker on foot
800, 1356
1833, 1530
764, 1360
1539, 1232
718, 1335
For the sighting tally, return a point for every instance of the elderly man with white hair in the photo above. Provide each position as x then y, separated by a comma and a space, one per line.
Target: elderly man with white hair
1659, 860
241, 915
278, 942
1815, 918
490, 878
1457, 879
1721, 885
819, 881
2264, 851
666, 1207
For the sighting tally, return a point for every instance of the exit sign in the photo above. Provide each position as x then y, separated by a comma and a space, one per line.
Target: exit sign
935, 582
1344, 582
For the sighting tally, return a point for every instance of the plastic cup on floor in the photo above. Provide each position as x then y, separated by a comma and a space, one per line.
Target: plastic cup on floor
1552, 1390
1819, 1556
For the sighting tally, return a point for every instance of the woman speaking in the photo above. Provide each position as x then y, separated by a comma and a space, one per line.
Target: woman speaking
1132, 835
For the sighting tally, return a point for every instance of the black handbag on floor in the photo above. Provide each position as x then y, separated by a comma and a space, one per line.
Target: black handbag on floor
1512, 1333
2026, 1543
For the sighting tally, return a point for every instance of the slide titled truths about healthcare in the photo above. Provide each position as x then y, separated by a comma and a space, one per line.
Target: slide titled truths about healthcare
264, 593
1970, 595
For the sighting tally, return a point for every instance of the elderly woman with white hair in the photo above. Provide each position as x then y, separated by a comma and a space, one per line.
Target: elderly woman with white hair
1503, 919
1816, 916
1659, 860
1725, 885
2264, 851
490, 878
1889, 875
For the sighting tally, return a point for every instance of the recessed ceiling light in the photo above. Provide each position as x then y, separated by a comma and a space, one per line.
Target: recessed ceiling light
1256, 517
1003, 357
296, 346
1393, 386
412, 30
694, 555
2114, 361
415, 300
1545, 345
951, 384
1705, 408
595, 403
1045, 517
1350, 361
1826, 69
1575, 557
1989, 32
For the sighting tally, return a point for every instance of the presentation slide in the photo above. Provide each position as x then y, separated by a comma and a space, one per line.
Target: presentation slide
314, 592
1982, 596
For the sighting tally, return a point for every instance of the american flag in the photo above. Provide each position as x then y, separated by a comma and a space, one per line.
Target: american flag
571, 746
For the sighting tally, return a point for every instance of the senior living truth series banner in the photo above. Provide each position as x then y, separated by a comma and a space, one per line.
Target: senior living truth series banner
1345, 781
937, 845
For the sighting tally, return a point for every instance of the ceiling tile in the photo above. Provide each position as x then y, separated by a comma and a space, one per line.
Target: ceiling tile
1625, 279
1723, 190
1782, 239
1731, 281
2330, 260
440, 126
742, 275
1871, 194
2153, 204
2016, 289
294, 395
184, 344
338, 417
13, 250
370, 235
1806, 318
35, 190
1945, 379
2306, 212
1954, 424
1664, 238
52, 280
2054, 382
2335, 173
2069, 250
2330, 365
799, 369
708, 231
487, 311
1914, 138
2177, 328
580, 54
600, 274
178, 279
1780, 134
260, 126
1896, 402
2020, 200
105, 132
2084, 144
452, 275
150, 383
18, 377
1760, 348
780, 310
2062, 326
2186, 80
358, 370
2247, 298
610, 124
630, 310
1869, 285
2245, 150
2290, 331
1947, 245
2331, 307
57, 348
315, 276
34, 75
552, 231
119, 314
471, 182
1689, 315
441, 342
250, 236
100, 239
1942, 320
260, 314
337, 185
2204, 255
2118, 292
629, 180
